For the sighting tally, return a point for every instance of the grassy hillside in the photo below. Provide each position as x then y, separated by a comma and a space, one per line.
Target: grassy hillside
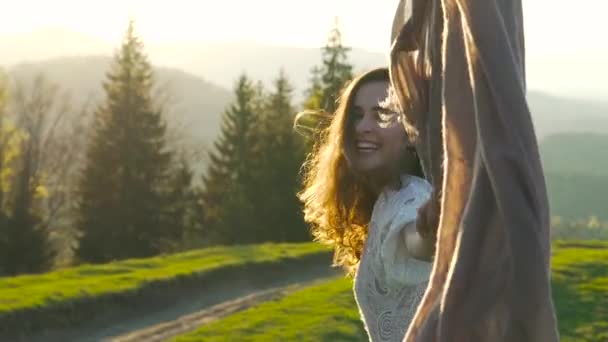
328, 312
325, 312
580, 288
67, 294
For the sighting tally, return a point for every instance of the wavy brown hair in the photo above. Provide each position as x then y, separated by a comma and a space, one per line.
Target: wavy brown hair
337, 202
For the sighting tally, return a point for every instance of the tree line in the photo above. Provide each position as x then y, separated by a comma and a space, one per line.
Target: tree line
107, 179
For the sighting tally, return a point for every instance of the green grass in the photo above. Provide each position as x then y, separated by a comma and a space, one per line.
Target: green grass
328, 312
89, 281
325, 312
580, 290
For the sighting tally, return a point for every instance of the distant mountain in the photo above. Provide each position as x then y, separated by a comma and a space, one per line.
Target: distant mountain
576, 153
553, 114
198, 103
195, 104
48, 43
223, 63
220, 63
576, 76
576, 170
577, 196
569, 76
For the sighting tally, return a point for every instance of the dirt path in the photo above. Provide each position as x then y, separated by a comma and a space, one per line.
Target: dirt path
184, 324
193, 307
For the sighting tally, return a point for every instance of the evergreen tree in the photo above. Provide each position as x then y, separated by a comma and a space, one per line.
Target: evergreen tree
328, 81
228, 194
259, 98
326, 84
181, 212
123, 185
281, 154
314, 94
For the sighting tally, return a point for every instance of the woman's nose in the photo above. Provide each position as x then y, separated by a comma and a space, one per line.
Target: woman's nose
366, 124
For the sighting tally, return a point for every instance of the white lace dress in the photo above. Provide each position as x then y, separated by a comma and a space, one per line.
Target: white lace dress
389, 284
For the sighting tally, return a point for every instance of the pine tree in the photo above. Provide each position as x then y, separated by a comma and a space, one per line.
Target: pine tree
314, 94
122, 186
326, 84
180, 214
228, 194
281, 154
259, 98
335, 72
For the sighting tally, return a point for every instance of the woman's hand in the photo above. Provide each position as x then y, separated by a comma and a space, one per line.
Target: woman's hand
427, 221
417, 246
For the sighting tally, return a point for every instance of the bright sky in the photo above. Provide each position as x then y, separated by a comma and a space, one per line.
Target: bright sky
550, 24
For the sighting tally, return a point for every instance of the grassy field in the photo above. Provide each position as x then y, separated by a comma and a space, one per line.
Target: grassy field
93, 280
24, 296
580, 289
328, 312
325, 312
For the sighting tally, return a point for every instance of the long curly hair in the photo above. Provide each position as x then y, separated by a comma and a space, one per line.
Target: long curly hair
337, 202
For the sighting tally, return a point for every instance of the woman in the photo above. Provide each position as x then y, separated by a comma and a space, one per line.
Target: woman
361, 193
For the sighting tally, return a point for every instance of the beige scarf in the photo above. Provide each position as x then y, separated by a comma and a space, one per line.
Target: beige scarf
457, 67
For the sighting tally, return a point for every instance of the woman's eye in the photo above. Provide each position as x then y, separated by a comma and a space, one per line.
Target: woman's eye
387, 118
357, 115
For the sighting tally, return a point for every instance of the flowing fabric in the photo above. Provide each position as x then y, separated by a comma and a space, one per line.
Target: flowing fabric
458, 71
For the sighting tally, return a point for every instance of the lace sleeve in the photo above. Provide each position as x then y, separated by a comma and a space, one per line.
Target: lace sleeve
399, 265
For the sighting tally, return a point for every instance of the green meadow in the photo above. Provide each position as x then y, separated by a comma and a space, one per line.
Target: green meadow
328, 312
65, 292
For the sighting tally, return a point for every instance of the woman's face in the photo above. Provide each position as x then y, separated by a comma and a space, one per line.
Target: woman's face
377, 143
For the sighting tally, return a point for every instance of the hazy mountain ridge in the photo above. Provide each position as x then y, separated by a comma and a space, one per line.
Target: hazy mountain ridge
572, 75
194, 103
576, 169
576, 153
552, 114
198, 103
